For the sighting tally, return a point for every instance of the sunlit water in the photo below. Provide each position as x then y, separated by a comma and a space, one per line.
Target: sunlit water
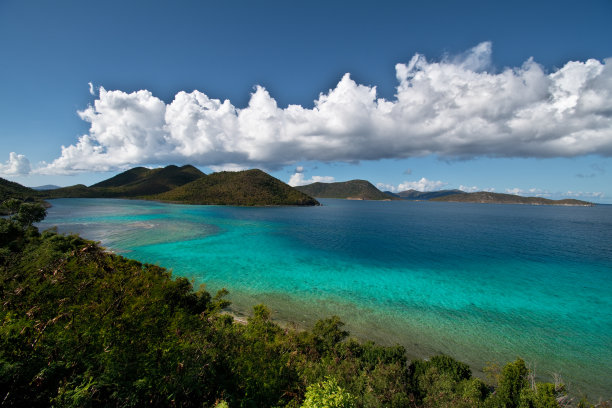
479, 282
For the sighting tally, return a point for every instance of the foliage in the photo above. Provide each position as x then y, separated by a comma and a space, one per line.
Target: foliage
15, 191
358, 189
247, 188
328, 394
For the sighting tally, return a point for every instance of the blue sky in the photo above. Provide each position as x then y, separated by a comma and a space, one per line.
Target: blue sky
473, 110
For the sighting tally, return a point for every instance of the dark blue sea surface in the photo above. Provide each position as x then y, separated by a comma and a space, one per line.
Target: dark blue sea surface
481, 282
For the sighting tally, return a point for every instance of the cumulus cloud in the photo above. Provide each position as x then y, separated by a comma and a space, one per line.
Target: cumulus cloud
17, 165
299, 169
421, 185
469, 189
297, 179
533, 192
453, 108
91, 89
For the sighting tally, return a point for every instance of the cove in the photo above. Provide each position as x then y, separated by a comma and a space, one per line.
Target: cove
478, 282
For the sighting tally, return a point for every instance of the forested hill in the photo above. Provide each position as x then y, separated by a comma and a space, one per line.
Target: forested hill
248, 188
135, 182
353, 189
10, 189
426, 195
498, 198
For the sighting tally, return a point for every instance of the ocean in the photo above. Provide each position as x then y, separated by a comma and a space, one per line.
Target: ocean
480, 282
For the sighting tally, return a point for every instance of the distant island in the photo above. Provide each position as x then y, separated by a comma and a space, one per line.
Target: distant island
424, 195
486, 197
186, 185
364, 190
350, 190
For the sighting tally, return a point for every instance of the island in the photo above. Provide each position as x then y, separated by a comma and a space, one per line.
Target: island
486, 197
350, 190
187, 185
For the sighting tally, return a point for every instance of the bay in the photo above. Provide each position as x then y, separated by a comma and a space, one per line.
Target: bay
482, 283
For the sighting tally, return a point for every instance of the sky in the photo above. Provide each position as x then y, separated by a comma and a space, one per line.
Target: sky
512, 97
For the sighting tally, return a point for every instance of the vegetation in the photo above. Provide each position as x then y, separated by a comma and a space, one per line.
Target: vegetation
81, 327
426, 195
190, 186
498, 198
353, 189
135, 182
9, 189
248, 188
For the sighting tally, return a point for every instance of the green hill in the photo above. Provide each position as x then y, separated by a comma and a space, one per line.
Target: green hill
135, 182
249, 187
498, 198
353, 189
426, 195
10, 189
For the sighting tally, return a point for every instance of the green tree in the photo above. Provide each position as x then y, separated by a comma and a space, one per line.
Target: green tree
328, 394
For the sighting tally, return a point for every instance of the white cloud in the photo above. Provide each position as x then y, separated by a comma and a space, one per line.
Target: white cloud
17, 165
421, 185
532, 192
453, 108
580, 194
299, 169
469, 189
91, 89
297, 179
386, 187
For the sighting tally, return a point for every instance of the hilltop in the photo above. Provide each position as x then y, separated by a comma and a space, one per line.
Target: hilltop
248, 187
135, 182
498, 198
353, 189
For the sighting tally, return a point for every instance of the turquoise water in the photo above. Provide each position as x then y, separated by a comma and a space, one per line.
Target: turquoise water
479, 282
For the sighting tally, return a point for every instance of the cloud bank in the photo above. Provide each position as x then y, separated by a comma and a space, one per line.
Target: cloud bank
454, 108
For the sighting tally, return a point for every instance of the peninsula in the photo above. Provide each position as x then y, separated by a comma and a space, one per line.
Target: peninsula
486, 197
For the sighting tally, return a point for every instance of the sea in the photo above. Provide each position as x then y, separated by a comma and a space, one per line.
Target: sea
483, 283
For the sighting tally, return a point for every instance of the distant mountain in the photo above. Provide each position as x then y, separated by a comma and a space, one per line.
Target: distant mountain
426, 195
142, 181
498, 198
353, 189
248, 188
45, 187
136, 182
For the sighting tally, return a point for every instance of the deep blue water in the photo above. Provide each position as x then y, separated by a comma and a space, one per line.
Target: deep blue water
479, 282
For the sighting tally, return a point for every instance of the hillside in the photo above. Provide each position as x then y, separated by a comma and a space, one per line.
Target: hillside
426, 195
498, 198
10, 189
248, 188
353, 189
135, 182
